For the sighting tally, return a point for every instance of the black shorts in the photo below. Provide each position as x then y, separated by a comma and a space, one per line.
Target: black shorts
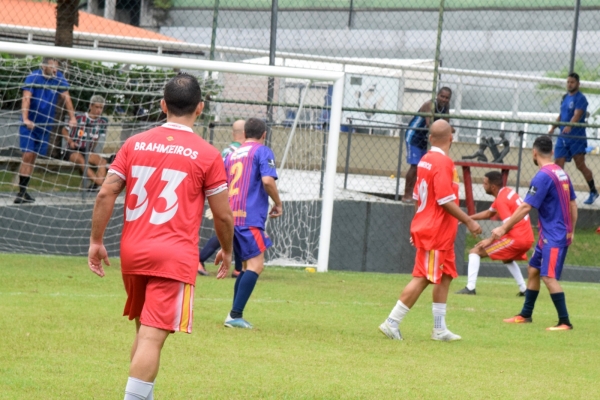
66, 153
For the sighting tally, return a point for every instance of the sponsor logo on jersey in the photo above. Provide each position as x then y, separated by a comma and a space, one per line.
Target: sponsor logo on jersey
170, 138
424, 164
272, 163
532, 190
562, 176
241, 152
166, 149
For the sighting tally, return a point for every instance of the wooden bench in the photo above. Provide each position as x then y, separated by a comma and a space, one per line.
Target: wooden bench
466, 168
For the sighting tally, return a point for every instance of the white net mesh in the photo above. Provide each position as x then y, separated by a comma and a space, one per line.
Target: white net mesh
58, 222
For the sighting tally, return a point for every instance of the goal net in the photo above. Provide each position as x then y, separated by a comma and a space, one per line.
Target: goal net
303, 121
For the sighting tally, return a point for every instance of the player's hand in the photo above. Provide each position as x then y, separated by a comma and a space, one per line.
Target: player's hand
412, 242
551, 130
96, 254
72, 144
485, 243
566, 130
29, 124
276, 211
498, 232
209, 214
474, 228
571, 236
72, 123
224, 259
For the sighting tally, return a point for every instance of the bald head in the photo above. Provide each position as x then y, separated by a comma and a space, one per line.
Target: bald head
238, 131
440, 133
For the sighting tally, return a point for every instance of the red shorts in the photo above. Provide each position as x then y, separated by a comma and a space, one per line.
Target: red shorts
159, 302
431, 264
507, 248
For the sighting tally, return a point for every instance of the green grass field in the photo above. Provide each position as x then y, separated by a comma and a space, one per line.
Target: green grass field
316, 338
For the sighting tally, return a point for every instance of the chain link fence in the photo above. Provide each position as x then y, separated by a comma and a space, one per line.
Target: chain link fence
506, 64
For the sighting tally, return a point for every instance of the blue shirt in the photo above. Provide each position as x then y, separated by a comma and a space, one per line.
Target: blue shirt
568, 106
551, 192
245, 169
43, 99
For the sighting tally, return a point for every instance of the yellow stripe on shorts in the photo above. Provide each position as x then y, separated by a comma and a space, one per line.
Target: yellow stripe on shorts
498, 245
431, 265
185, 308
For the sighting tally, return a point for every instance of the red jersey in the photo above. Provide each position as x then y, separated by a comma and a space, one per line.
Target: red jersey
168, 172
432, 228
505, 205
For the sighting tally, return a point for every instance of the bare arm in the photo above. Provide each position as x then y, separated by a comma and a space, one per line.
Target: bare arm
554, 126
223, 220
271, 189
574, 214
69, 106
517, 216
452, 209
487, 214
25, 104
427, 107
105, 203
65, 134
576, 117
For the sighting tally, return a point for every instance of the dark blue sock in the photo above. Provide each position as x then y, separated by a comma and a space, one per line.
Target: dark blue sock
561, 307
238, 262
209, 249
530, 298
237, 285
245, 289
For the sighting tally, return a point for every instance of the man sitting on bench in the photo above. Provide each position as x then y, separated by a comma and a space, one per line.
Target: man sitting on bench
82, 139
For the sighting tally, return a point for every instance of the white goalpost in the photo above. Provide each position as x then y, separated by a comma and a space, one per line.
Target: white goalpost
16, 216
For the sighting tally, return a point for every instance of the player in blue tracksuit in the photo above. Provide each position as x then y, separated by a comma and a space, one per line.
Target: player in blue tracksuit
572, 143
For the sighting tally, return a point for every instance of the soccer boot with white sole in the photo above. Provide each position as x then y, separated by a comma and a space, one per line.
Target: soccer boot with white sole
238, 323
444, 336
392, 333
518, 319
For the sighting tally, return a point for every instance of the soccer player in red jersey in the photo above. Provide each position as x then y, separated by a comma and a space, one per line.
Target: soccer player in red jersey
168, 171
433, 231
251, 176
510, 247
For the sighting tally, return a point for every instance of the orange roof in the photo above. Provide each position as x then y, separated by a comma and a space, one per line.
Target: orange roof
42, 14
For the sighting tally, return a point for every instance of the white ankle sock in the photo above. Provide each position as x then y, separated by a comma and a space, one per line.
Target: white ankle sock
474, 262
515, 271
439, 316
397, 314
137, 389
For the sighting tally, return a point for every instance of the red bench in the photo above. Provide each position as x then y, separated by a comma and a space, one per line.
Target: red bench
466, 167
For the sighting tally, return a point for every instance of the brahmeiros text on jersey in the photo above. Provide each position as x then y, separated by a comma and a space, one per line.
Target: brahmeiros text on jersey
167, 149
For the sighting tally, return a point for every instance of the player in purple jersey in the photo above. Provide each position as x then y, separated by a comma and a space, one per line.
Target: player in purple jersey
551, 192
251, 178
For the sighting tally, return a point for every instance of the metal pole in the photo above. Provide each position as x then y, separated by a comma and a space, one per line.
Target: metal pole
399, 170
574, 38
271, 84
437, 57
323, 157
213, 35
348, 147
521, 134
213, 39
294, 125
350, 14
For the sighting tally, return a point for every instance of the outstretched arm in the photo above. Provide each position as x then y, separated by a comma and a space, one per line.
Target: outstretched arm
518, 215
105, 203
487, 214
452, 209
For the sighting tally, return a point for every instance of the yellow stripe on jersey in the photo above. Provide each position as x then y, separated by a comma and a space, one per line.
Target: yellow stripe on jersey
185, 308
498, 246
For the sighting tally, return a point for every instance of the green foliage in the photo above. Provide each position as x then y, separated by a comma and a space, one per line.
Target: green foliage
163, 4
586, 73
132, 92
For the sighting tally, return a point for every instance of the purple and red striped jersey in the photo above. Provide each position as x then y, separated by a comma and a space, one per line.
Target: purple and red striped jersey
551, 192
248, 198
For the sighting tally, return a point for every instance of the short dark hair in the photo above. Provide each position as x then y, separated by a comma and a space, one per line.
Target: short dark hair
254, 128
182, 94
495, 178
543, 144
445, 89
45, 60
574, 75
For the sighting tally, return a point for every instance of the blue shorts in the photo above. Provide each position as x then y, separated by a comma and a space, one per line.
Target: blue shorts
414, 154
549, 260
34, 141
249, 242
568, 147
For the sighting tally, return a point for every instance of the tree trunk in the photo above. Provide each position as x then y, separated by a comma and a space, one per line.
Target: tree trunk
67, 16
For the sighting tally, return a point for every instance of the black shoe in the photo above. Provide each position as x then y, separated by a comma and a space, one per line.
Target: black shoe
24, 198
521, 294
466, 290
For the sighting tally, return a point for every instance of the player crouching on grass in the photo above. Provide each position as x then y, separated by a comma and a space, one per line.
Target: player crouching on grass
433, 231
510, 247
251, 178
551, 192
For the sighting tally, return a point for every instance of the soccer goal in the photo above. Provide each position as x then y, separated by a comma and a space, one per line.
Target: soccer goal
304, 136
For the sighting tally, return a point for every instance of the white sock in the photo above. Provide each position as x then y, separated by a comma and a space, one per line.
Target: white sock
439, 316
397, 314
137, 389
515, 271
474, 262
